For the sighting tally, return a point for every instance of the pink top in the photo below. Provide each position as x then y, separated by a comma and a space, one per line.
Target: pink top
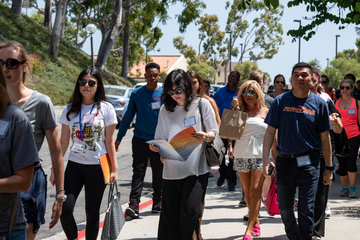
349, 119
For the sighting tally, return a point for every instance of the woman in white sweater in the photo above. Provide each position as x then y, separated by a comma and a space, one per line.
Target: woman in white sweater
185, 182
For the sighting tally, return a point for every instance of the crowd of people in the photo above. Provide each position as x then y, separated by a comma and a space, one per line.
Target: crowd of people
298, 131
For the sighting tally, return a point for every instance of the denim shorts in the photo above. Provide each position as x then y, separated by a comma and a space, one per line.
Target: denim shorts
34, 201
15, 235
247, 164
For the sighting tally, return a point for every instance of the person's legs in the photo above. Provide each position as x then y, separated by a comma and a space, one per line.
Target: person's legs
286, 188
245, 178
342, 171
140, 151
351, 164
307, 181
94, 190
15, 235
73, 183
156, 168
320, 203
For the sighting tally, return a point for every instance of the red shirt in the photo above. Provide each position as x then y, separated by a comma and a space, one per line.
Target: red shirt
349, 119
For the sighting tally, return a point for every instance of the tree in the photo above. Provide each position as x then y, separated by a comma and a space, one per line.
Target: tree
16, 7
57, 31
315, 64
341, 12
204, 70
245, 69
256, 26
47, 14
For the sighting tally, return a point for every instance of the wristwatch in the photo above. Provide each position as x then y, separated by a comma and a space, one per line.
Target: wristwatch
61, 197
331, 168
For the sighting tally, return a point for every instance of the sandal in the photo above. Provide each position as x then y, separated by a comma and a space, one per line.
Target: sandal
256, 231
247, 237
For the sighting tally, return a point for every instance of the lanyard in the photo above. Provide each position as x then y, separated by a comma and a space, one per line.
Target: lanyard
83, 129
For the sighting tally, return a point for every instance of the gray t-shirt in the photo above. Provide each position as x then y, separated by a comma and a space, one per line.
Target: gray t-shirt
17, 151
41, 114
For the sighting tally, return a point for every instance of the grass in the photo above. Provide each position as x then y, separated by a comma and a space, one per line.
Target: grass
50, 76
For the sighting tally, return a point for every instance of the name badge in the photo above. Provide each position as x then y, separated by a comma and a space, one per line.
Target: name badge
4, 126
351, 111
303, 161
78, 148
189, 121
155, 105
88, 118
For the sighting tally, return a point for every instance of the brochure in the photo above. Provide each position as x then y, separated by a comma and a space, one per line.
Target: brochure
180, 147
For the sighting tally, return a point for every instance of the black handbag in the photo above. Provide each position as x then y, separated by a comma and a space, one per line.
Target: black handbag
114, 217
215, 150
342, 146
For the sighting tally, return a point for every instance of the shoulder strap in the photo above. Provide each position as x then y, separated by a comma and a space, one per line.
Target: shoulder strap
13, 215
202, 119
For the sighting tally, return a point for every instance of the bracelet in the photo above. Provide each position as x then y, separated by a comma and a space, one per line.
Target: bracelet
60, 190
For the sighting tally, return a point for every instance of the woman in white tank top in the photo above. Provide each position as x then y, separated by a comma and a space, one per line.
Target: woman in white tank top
248, 152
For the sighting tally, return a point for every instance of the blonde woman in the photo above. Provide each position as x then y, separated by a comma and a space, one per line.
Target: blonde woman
248, 152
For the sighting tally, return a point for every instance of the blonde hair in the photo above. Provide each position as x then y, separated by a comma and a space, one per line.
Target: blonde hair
260, 101
4, 100
23, 55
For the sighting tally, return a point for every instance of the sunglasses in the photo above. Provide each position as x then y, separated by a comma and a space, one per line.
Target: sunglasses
250, 92
324, 82
176, 91
280, 82
83, 82
346, 87
12, 63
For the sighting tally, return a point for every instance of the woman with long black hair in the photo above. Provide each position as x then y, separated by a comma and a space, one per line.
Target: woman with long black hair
89, 121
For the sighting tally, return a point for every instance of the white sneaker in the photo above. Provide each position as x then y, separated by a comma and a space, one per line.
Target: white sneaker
327, 211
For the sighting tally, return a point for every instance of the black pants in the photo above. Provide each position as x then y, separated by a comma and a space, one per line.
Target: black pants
227, 172
320, 203
76, 176
141, 154
348, 163
182, 207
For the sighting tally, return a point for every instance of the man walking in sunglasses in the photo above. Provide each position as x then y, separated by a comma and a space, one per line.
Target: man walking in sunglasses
145, 103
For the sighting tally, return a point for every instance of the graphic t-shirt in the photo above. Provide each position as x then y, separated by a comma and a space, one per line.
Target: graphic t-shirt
299, 122
93, 133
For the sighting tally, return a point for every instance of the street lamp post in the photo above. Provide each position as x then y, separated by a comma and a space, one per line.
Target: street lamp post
336, 44
299, 21
241, 52
91, 29
230, 48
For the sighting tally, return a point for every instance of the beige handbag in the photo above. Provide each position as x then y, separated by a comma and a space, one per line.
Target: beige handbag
232, 124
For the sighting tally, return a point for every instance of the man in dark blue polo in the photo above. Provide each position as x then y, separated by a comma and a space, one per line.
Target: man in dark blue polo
145, 103
302, 121
223, 98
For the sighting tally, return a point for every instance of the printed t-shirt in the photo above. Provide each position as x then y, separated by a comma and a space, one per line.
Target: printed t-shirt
299, 122
18, 146
93, 134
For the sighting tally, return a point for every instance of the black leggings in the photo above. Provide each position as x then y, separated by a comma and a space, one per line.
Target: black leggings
76, 176
348, 163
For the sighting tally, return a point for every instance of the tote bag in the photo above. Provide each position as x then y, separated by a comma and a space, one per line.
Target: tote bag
114, 217
232, 124
271, 203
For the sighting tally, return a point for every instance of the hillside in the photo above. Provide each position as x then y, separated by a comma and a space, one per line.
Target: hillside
53, 77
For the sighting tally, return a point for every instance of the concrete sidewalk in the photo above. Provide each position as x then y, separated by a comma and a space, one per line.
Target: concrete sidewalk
223, 219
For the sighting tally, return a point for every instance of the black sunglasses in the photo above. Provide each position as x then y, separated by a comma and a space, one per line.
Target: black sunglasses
346, 87
12, 63
280, 82
83, 82
176, 91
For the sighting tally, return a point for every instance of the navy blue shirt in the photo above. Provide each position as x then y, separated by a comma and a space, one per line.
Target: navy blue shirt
223, 98
299, 122
146, 105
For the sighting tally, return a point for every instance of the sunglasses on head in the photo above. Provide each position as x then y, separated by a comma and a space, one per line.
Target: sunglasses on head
279, 82
250, 92
12, 63
176, 91
83, 82
346, 87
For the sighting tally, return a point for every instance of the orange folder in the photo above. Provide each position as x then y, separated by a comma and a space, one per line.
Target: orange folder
106, 167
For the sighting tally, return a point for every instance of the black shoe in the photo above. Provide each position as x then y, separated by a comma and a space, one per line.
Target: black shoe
220, 181
133, 210
156, 208
231, 187
242, 203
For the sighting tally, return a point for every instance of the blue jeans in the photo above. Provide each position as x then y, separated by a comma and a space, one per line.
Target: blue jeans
289, 177
15, 235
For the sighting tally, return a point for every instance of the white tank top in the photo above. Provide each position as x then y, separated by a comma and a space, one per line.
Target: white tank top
251, 142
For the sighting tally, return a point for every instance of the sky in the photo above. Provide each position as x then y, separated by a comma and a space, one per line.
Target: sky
321, 46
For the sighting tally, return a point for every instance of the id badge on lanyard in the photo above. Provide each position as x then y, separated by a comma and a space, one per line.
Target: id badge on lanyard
79, 146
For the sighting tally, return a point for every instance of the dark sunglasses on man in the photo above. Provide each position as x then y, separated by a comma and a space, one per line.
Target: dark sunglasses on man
11, 63
83, 82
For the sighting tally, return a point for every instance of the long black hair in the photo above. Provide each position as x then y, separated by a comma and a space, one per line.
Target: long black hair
180, 79
76, 98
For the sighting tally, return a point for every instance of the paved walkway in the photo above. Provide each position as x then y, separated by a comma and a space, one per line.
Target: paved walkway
223, 218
